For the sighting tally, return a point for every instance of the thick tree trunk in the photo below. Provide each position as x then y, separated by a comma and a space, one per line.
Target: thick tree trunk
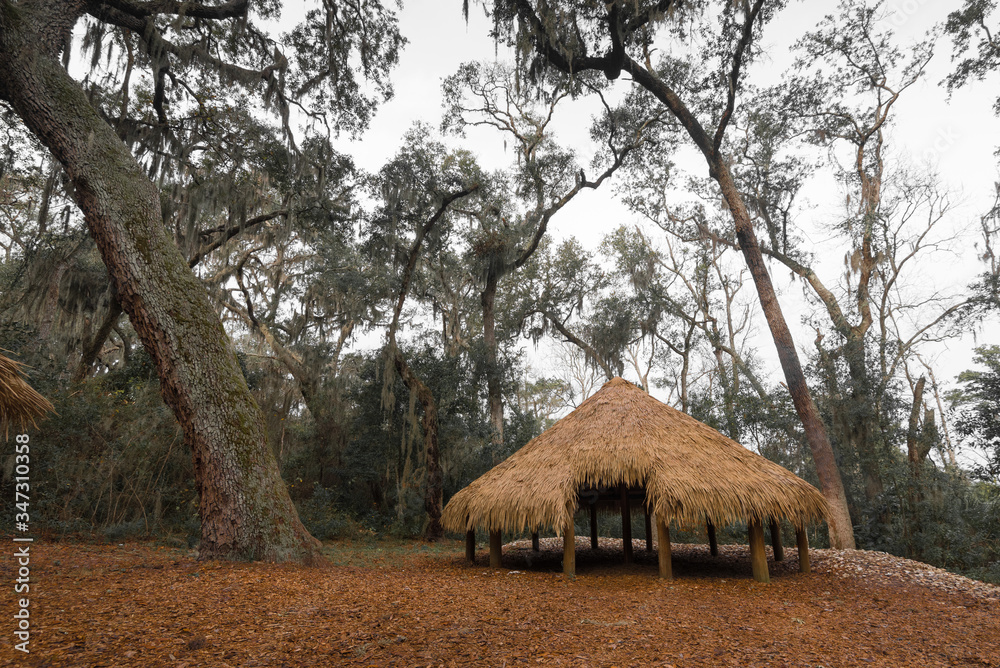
913, 451
840, 525
245, 508
488, 300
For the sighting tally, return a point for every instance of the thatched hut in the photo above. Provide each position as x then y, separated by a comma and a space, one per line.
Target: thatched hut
620, 448
19, 403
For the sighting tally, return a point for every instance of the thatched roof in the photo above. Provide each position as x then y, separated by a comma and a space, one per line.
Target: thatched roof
623, 436
19, 403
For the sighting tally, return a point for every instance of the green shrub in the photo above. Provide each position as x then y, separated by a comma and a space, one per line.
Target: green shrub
324, 520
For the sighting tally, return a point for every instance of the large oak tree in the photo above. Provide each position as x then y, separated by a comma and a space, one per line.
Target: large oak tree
245, 508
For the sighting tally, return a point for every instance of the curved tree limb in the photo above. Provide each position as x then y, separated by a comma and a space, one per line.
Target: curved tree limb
433, 495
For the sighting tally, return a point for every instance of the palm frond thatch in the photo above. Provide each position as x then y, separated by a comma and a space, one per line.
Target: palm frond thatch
19, 403
623, 436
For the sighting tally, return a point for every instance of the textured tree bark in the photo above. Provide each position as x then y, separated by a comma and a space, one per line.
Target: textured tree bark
245, 509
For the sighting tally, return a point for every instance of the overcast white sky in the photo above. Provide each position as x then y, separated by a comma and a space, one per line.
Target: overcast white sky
957, 136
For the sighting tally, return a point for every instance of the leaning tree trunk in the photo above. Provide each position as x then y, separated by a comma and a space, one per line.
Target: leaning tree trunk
841, 527
245, 509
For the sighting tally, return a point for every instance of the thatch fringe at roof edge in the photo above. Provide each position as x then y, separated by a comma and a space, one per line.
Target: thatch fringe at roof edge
463, 515
19, 402
621, 435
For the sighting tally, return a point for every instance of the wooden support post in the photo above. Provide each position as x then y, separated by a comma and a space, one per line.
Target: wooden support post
593, 526
779, 550
649, 531
534, 541
663, 536
713, 544
569, 548
495, 549
803, 540
626, 525
758, 556
470, 545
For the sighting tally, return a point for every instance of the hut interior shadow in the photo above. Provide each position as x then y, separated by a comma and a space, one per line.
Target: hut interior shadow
689, 560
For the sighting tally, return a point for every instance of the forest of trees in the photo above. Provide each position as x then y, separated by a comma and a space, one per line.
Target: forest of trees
253, 343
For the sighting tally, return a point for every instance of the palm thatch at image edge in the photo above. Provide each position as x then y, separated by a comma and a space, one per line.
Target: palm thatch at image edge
19, 403
621, 435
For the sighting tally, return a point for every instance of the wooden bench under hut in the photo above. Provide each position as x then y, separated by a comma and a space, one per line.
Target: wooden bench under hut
621, 448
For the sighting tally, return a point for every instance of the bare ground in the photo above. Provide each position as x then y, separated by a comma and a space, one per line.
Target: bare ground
402, 605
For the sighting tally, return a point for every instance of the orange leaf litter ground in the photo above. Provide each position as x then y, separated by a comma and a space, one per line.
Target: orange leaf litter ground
407, 605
